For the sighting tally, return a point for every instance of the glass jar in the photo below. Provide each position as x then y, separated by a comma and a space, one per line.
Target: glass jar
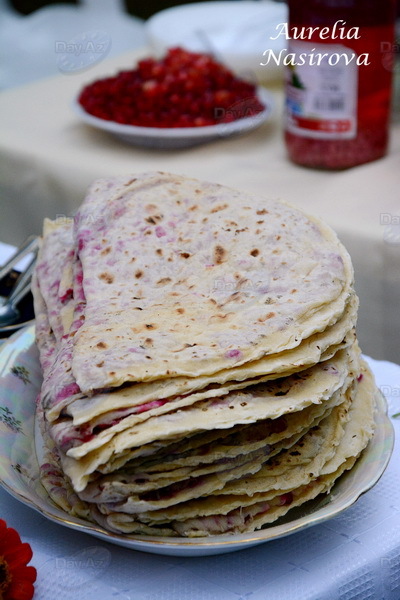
338, 81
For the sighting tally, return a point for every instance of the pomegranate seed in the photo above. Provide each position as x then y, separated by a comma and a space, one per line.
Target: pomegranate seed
183, 89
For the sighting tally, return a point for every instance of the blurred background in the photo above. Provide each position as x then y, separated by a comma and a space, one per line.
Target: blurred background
48, 158
30, 30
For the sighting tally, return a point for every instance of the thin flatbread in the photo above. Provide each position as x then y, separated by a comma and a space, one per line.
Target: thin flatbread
249, 405
208, 278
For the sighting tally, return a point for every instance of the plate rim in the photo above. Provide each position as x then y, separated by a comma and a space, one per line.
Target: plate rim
202, 545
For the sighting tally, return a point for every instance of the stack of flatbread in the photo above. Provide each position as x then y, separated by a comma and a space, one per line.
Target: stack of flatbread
201, 373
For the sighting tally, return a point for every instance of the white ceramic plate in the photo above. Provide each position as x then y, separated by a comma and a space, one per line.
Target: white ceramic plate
237, 33
20, 379
179, 137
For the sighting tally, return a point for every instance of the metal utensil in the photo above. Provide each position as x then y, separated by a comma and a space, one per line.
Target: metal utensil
9, 312
31, 244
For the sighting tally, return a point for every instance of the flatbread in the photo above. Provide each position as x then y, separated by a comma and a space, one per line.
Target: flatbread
193, 449
268, 400
201, 368
261, 513
240, 520
288, 469
110, 424
124, 492
361, 425
129, 480
54, 275
285, 276
241, 440
320, 346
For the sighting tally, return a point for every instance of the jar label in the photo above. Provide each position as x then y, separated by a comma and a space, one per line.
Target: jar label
321, 90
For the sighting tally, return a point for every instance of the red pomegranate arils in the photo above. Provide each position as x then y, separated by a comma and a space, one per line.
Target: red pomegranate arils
183, 89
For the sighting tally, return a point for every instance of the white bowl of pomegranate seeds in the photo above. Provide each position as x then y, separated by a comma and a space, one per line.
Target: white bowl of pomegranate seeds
181, 100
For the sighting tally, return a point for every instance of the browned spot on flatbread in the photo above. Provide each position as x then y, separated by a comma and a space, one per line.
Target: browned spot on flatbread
221, 316
130, 181
163, 280
106, 251
139, 274
151, 220
100, 364
185, 254
263, 211
106, 277
159, 251
101, 345
243, 281
155, 218
219, 208
180, 310
266, 317
150, 326
255, 252
219, 254
235, 297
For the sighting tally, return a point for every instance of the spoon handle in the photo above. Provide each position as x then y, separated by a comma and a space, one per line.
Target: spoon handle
22, 283
30, 245
21, 293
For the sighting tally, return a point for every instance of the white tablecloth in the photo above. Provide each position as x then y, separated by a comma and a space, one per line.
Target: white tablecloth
355, 556
48, 158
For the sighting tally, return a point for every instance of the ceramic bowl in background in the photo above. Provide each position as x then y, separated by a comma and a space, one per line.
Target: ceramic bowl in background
236, 33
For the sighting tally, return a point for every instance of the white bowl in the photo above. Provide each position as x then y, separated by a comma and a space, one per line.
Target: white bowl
178, 137
237, 33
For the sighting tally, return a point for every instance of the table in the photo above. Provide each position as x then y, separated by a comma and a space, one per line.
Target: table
355, 556
48, 158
